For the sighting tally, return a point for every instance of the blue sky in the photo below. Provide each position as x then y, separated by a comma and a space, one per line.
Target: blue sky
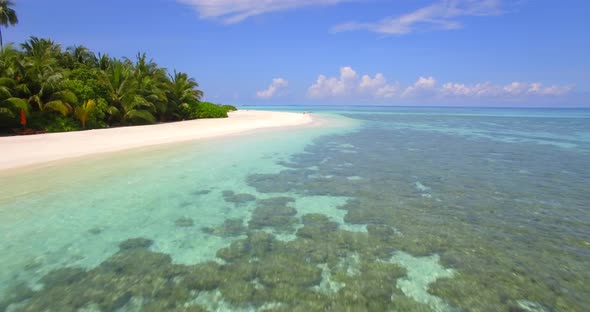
367, 52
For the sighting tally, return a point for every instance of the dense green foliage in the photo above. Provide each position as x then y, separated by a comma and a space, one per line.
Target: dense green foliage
229, 108
209, 110
72, 89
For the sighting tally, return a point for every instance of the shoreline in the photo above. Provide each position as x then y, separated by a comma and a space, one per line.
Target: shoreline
21, 152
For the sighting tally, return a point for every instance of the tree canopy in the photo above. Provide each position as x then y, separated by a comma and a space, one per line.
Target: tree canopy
68, 89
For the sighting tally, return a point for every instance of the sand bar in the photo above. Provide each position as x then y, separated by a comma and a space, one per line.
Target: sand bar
23, 151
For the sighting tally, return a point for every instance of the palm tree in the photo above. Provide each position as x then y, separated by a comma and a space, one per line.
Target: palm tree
41, 48
11, 83
103, 61
77, 56
9, 58
10, 103
124, 95
44, 77
152, 82
11, 69
84, 111
182, 91
61, 102
7, 16
40, 62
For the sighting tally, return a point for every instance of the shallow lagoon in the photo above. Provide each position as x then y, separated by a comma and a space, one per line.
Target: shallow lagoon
382, 210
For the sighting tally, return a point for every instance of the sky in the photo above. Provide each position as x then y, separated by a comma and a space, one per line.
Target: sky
341, 52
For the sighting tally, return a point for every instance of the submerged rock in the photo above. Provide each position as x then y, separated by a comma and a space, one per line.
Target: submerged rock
201, 192
270, 183
184, 222
277, 269
241, 198
34, 263
205, 276
63, 277
16, 294
274, 213
239, 293
316, 225
95, 230
230, 227
256, 245
135, 262
134, 243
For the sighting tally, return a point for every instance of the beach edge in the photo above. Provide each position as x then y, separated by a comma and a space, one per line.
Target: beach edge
22, 152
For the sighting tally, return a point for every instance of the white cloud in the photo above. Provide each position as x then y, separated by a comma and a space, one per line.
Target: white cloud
273, 89
512, 90
235, 11
515, 88
555, 90
485, 89
378, 86
443, 15
422, 86
349, 84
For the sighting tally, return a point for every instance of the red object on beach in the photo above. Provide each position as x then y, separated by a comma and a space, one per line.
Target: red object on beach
23, 117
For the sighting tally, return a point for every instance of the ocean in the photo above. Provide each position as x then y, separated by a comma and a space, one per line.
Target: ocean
377, 209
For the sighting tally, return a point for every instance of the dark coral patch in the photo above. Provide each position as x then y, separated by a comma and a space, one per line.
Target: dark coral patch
184, 222
230, 227
134, 243
241, 198
275, 213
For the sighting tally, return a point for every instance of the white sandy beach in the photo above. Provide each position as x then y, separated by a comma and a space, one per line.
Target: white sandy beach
23, 151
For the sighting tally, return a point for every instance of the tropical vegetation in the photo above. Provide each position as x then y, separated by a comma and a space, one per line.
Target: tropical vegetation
72, 89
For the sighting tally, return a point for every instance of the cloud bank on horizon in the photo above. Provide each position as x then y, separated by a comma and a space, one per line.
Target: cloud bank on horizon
349, 83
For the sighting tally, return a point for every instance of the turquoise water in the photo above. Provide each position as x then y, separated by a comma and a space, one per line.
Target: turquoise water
380, 209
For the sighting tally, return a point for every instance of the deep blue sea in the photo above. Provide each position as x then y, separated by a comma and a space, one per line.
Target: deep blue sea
373, 209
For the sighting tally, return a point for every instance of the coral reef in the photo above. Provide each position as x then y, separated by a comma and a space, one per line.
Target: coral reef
256, 245
452, 251
274, 213
136, 243
230, 227
241, 198
315, 226
278, 269
258, 271
482, 230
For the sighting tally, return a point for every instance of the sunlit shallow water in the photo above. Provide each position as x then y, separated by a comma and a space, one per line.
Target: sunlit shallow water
379, 210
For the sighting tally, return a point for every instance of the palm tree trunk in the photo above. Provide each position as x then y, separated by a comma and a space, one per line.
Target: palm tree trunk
1, 44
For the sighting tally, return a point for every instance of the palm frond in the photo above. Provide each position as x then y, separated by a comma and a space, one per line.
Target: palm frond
58, 106
17, 103
65, 96
140, 115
